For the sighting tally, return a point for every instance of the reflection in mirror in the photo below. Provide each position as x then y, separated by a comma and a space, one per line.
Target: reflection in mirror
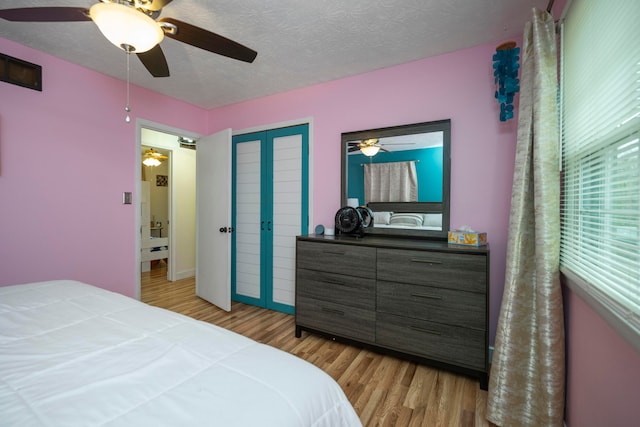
401, 173
404, 159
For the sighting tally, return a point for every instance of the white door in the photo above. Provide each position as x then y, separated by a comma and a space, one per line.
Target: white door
213, 214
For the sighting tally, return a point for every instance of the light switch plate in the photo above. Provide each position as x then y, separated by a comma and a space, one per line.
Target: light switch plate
126, 198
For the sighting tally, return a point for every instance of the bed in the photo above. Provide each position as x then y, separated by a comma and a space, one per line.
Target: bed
403, 220
74, 354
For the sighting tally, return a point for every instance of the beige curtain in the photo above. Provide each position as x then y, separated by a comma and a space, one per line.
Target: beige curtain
526, 385
390, 182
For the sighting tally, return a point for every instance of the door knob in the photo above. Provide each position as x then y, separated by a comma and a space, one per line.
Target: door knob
223, 229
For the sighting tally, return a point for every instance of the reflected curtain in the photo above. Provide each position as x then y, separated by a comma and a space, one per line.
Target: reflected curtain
526, 384
390, 182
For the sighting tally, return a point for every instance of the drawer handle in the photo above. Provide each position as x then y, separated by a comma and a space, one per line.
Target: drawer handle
335, 252
427, 331
333, 311
426, 296
334, 282
426, 261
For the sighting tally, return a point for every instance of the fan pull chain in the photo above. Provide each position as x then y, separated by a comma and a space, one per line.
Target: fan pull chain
127, 108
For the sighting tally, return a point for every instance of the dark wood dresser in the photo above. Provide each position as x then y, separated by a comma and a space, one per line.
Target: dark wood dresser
420, 299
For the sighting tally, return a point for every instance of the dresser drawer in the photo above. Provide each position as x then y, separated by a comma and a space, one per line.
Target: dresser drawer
445, 343
339, 288
341, 259
439, 269
338, 319
450, 306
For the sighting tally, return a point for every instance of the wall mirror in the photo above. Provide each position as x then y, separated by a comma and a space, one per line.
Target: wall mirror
402, 173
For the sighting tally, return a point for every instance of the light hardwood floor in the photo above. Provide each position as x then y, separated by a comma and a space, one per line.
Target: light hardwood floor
384, 390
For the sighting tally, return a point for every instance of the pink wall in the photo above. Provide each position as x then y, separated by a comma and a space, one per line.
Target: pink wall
66, 156
457, 86
603, 370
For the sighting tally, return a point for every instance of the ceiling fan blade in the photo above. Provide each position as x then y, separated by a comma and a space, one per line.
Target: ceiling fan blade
46, 14
207, 40
155, 62
156, 5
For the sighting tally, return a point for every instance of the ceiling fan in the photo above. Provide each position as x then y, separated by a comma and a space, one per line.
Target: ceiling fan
370, 147
153, 158
133, 26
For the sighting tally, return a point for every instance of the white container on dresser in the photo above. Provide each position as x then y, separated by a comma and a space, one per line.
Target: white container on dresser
424, 300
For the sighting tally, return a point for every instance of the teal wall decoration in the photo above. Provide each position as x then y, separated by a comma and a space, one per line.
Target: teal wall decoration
505, 73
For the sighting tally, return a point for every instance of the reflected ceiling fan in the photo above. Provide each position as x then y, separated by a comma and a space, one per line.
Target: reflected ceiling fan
369, 147
133, 26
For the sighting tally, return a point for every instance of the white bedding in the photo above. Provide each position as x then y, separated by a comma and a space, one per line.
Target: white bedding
76, 355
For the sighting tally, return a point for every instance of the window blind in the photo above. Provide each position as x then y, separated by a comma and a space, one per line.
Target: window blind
601, 154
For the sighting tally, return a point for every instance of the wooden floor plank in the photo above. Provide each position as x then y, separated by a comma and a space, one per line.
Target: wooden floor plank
385, 391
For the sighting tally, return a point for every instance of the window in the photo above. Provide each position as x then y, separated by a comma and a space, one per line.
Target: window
600, 105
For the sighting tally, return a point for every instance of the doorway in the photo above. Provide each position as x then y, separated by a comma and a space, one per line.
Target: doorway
177, 182
154, 209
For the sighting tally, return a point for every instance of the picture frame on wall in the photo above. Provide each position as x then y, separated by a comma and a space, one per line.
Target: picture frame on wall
162, 180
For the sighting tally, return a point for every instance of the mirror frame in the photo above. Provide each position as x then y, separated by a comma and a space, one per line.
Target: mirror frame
443, 126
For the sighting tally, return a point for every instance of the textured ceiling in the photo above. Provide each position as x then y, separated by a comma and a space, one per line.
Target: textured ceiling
299, 42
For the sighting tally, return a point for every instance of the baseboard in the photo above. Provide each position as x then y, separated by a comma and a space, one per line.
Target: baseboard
185, 274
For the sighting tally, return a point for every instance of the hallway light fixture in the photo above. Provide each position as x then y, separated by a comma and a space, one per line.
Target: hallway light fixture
187, 142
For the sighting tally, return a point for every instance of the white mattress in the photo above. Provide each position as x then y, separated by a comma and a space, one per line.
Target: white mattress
76, 355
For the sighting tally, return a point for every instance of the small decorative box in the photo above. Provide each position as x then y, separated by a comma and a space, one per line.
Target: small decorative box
471, 238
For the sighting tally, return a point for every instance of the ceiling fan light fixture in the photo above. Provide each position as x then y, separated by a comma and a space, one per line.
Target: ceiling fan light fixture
152, 158
150, 161
126, 27
370, 150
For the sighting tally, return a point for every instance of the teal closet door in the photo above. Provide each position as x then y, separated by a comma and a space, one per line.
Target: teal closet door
270, 208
